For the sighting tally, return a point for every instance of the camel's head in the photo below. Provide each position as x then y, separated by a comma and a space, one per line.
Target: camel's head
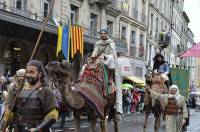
148, 78
59, 72
154, 78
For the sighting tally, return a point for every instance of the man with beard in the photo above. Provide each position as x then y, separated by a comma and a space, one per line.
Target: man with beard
106, 50
175, 108
35, 108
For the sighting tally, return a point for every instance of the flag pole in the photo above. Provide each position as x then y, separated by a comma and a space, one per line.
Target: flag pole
42, 30
32, 56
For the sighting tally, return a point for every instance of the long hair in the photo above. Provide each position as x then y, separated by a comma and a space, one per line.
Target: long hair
156, 63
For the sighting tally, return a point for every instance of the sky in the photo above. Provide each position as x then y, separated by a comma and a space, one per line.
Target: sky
192, 8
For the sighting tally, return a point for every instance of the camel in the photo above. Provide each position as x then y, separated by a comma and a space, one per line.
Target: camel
61, 75
157, 84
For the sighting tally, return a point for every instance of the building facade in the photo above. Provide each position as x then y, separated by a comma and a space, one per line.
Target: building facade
133, 30
159, 19
134, 25
20, 24
178, 22
21, 21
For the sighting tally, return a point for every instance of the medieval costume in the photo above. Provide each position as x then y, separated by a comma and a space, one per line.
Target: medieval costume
35, 108
175, 107
107, 51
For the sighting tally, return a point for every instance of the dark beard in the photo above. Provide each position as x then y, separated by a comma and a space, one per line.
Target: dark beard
31, 80
104, 38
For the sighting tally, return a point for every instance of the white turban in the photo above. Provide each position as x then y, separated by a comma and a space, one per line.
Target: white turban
177, 95
21, 72
173, 86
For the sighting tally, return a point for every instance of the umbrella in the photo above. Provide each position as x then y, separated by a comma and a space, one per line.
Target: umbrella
139, 90
193, 51
127, 86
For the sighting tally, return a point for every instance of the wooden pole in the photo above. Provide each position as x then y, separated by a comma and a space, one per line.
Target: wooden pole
32, 56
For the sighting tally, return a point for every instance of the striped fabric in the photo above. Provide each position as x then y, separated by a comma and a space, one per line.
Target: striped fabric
76, 40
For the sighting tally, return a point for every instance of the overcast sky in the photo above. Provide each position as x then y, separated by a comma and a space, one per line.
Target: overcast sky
192, 8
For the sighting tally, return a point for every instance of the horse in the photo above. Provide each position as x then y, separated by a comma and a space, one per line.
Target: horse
156, 83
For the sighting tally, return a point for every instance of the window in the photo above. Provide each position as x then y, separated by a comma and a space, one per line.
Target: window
132, 44
20, 4
93, 25
161, 25
141, 46
123, 36
46, 7
149, 56
125, 6
142, 39
110, 28
74, 14
151, 28
133, 38
156, 35
138, 71
93, 22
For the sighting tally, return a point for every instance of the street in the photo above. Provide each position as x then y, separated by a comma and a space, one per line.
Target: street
131, 123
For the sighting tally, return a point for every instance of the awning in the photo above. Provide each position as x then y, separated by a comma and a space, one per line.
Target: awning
136, 80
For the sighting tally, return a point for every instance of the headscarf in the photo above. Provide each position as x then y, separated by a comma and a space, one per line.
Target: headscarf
21, 72
103, 30
177, 95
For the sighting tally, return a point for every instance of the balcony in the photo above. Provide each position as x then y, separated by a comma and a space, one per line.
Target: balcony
141, 52
135, 14
121, 46
133, 49
90, 36
103, 2
125, 8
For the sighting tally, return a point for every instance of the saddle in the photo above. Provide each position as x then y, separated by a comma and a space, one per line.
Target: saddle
92, 85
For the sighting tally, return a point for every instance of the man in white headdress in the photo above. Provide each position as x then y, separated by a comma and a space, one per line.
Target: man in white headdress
12, 90
105, 49
175, 108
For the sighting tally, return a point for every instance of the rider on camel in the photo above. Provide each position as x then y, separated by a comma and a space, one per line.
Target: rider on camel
161, 66
105, 49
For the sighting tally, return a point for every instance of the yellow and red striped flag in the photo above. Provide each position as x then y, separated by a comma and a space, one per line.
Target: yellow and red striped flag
77, 40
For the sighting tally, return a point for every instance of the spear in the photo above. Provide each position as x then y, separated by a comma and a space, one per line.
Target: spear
32, 56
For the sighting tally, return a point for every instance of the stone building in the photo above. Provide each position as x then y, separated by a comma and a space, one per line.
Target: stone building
20, 24
159, 19
21, 21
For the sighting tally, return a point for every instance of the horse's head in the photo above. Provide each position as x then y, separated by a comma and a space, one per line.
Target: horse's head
59, 72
